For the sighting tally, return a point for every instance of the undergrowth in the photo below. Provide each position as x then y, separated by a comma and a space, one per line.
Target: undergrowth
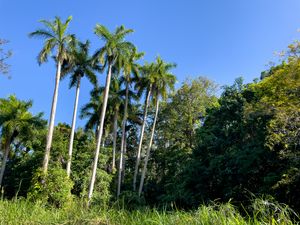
22, 211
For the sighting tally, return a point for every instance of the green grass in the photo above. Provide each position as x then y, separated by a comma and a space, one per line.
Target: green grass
26, 212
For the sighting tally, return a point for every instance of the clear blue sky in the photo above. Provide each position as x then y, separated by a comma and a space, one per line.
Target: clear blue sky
218, 39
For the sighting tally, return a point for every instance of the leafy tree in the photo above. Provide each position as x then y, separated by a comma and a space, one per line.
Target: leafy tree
176, 137
249, 142
4, 55
16, 122
55, 37
278, 97
25, 157
60, 145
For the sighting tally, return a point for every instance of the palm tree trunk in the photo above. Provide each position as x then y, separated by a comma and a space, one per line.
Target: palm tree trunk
73, 128
52, 118
148, 150
104, 137
4, 160
138, 156
97, 130
124, 161
100, 132
115, 140
123, 140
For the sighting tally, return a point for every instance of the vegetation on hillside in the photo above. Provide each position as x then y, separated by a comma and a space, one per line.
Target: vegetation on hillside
149, 148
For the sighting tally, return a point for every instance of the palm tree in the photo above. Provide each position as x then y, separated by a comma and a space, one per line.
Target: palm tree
129, 67
79, 65
143, 85
109, 54
116, 102
15, 121
162, 81
55, 37
133, 120
91, 111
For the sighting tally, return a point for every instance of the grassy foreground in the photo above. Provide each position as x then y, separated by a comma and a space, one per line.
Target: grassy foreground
25, 212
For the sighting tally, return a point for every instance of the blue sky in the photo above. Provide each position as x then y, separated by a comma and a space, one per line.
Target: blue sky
218, 39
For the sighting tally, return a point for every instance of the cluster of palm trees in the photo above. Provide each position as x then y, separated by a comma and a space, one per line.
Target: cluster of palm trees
116, 56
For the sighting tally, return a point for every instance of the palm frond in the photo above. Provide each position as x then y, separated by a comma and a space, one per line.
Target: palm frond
99, 55
66, 24
91, 77
51, 26
102, 32
46, 50
41, 33
121, 32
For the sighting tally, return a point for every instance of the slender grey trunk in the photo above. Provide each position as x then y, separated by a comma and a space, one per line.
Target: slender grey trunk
149, 148
52, 118
123, 140
4, 160
115, 140
99, 136
105, 138
73, 128
138, 156
97, 131
124, 161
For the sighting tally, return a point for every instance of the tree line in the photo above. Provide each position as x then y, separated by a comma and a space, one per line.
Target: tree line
158, 145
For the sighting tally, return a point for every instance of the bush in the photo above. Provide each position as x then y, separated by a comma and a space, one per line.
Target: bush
53, 188
101, 194
130, 200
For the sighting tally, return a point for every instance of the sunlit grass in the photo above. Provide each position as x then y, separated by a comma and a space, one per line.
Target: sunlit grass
26, 212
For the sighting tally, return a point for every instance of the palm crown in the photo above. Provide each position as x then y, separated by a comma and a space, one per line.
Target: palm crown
161, 78
114, 47
80, 64
130, 66
56, 37
156, 78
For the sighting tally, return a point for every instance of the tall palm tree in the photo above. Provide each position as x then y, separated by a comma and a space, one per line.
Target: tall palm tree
15, 121
80, 64
57, 39
133, 120
114, 48
91, 111
144, 84
163, 80
129, 67
117, 105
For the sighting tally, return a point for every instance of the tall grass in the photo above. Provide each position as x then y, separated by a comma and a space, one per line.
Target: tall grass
25, 212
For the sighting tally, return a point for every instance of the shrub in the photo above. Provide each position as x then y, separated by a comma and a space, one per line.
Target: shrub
130, 200
101, 194
53, 188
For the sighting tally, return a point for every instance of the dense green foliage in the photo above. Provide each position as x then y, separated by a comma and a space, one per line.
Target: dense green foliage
250, 142
53, 188
184, 147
